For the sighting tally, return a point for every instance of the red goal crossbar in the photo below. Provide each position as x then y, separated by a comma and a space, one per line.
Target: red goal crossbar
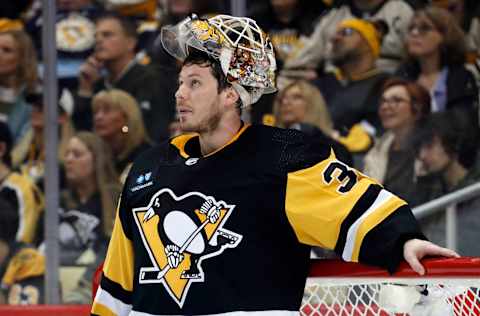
440, 273
451, 286
435, 267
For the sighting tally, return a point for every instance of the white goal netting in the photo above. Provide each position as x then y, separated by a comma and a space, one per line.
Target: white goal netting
450, 287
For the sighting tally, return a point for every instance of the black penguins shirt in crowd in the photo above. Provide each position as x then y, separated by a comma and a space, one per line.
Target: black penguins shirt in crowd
232, 231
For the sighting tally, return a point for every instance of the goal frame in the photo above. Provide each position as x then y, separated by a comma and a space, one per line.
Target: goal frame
332, 287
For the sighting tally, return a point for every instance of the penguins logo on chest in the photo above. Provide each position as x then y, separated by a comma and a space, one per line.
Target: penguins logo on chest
178, 233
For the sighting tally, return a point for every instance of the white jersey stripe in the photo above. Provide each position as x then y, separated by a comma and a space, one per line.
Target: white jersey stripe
254, 313
115, 305
382, 197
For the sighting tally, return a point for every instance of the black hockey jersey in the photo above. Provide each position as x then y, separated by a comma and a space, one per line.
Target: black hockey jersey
231, 231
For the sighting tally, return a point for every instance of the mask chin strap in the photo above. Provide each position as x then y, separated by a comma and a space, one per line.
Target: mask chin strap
244, 95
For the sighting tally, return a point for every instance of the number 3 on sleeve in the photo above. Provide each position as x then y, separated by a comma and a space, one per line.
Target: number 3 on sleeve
345, 175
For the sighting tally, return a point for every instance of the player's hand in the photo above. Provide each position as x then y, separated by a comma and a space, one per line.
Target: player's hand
213, 214
415, 249
90, 72
174, 257
211, 210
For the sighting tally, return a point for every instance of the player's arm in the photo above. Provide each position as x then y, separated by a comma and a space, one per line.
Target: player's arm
332, 205
24, 195
114, 294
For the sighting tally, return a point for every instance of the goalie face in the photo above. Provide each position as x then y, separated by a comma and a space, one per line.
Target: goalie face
199, 101
241, 47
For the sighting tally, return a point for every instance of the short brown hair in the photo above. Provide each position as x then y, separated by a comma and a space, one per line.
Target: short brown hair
419, 96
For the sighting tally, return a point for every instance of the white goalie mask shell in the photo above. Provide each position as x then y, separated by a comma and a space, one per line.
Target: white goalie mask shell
244, 51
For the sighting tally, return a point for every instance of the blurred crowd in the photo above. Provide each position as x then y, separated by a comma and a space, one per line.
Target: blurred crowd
391, 85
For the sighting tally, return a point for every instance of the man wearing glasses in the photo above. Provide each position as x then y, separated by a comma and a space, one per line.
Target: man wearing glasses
352, 88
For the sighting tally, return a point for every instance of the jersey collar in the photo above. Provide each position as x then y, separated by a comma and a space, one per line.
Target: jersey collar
184, 142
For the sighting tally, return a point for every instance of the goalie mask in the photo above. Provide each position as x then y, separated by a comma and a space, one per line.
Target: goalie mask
244, 51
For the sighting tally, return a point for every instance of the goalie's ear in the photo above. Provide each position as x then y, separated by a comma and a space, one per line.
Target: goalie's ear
231, 97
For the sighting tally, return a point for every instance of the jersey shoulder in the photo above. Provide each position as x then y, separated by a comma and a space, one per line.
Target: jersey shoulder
291, 149
165, 153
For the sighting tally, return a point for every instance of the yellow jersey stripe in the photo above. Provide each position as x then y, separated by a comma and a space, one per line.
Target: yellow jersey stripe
181, 141
118, 265
388, 203
316, 209
106, 305
28, 207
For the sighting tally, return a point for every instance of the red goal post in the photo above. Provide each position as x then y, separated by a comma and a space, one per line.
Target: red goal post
449, 287
338, 288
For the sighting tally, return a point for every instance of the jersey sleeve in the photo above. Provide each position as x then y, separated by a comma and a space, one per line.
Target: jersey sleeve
334, 206
30, 203
114, 294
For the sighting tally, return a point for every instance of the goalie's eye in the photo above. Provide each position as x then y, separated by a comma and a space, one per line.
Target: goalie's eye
195, 83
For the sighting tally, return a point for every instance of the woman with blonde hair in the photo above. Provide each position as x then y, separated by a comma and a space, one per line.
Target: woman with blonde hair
92, 185
118, 121
300, 106
301, 102
87, 204
18, 75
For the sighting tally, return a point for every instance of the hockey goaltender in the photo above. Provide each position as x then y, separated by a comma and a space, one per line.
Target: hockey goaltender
220, 219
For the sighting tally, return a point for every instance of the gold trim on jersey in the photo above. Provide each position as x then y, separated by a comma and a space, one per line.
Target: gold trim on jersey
30, 205
385, 204
316, 208
107, 305
100, 309
26, 263
119, 261
181, 141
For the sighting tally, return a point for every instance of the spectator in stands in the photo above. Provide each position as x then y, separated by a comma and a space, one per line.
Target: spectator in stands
10, 14
25, 198
29, 154
113, 65
18, 75
301, 106
396, 13
353, 90
286, 21
177, 10
301, 102
466, 13
118, 121
140, 9
404, 106
89, 200
447, 152
436, 53
75, 36
22, 267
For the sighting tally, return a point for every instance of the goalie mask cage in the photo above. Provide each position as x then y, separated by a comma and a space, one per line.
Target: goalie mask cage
450, 287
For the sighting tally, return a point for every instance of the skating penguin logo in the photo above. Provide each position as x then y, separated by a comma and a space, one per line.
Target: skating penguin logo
178, 234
